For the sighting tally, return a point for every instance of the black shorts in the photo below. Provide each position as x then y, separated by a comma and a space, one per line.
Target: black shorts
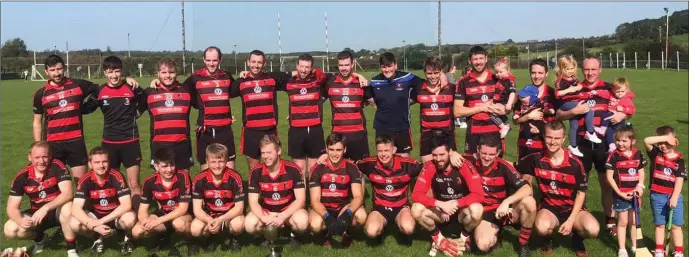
523, 151
72, 153
489, 216
389, 213
426, 142
50, 220
561, 216
223, 136
250, 139
305, 142
401, 138
168, 225
595, 155
357, 146
183, 158
127, 154
471, 141
112, 224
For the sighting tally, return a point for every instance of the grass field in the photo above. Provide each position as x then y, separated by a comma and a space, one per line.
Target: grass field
661, 99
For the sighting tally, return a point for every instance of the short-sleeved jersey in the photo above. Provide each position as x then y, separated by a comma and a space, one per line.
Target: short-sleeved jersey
436, 107
168, 198
259, 98
504, 89
169, 112
61, 106
104, 196
119, 105
626, 168
218, 198
558, 184
305, 105
597, 103
566, 83
665, 171
40, 190
496, 181
474, 93
392, 100
534, 141
277, 193
335, 182
390, 185
462, 184
347, 104
212, 93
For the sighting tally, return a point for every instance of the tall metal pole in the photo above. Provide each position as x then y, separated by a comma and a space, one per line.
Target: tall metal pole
129, 47
327, 52
660, 34
404, 55
583, 49
555, 49
236, 71
184, 45
67, 52
279, 43
667, 32
440, 44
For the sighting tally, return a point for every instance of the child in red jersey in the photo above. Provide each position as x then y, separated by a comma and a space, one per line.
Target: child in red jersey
568, 93
625, 173
505, 94
621, 100
668, 173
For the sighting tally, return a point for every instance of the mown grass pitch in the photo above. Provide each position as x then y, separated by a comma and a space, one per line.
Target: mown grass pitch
661, 100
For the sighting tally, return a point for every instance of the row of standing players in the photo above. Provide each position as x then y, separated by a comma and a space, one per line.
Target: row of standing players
169, 103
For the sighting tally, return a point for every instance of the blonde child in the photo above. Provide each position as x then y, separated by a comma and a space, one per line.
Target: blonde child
568, 93
668, 173
505, 94
625, 173
621, 100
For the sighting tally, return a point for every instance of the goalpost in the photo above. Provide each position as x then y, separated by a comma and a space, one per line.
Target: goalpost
290, 62
36, 70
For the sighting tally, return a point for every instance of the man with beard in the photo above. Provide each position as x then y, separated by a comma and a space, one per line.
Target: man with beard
169, 188
595, 155
474, 100
218, 202
168, 105
59, 104
445, 195
532, 123
277, 193
102, 203
48, 185
331, 184
562, 181
507, 199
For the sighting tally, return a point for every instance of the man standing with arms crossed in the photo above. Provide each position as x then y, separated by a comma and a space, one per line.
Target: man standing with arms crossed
595, 155
474, 100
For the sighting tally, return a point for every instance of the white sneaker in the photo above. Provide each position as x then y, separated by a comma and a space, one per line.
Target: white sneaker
622, 253
72, 253
599, 130
678, 254
98, 245
504, 130
611, 147
659, 253
592, 137
575, 151
39, 245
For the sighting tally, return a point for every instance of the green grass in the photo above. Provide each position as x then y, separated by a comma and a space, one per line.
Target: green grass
682, 40
661, 99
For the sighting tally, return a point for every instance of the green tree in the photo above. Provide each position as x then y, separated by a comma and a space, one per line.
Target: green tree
14, 48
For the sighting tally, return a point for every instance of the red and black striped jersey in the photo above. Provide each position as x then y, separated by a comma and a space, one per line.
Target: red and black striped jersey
347, 101
462, 184
436, 107
558, 184
168, 197
496, 181
531, 141
597, 103
40, 190
61, 106
277, 193
474, 93
565, 83
259, 98
665, 171
390, 185
212, 97
626, 168
305, 105
218, 197
169, 111
102, 197
505, 88
119, 106
335, 182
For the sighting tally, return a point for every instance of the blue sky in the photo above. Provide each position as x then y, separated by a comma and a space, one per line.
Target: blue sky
350, 24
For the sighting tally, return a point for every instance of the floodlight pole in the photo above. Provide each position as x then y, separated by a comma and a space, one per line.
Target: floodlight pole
404, 55
327, 58
667, 32
440, 45
129, 47
236, 71
279, 43
184, 47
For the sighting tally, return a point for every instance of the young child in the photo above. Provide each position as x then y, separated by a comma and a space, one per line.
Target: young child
625, 173
667, 177
504, 94
530, 131
568, 92
621, 100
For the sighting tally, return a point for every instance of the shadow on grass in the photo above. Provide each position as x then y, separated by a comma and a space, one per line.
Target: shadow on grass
683, 121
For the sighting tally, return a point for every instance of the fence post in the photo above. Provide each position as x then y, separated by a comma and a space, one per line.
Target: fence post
662, 60
677, 60
617, 60
610, 58
271, 66
88, 69
636, 64
648, 61
624, 60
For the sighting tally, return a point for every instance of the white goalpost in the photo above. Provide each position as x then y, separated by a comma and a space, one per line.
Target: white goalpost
36, 70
